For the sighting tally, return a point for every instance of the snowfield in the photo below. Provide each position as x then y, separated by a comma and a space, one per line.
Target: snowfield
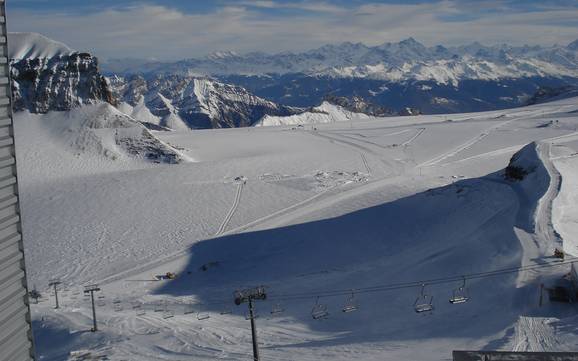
339, 207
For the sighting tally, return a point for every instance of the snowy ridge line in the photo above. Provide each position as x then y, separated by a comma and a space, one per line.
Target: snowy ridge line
232, 210
543, 216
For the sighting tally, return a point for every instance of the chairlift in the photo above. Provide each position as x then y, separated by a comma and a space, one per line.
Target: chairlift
226, 311
203, 316
168, 314
319, 311
424, 302
101, 303
350, 304
117, 307
189, 309
460, 294
116, 301
159, 307
248, 316
277, 309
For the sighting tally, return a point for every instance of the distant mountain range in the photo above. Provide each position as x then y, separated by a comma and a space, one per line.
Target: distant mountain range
396, 76
226, 89
394, 62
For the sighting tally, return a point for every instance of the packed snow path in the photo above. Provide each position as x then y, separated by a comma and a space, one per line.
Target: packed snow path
240, 183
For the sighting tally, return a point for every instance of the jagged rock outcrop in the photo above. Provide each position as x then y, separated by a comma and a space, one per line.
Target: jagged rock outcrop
187, 102
58, 83
359, 105
545, 94
407, 111
47, 75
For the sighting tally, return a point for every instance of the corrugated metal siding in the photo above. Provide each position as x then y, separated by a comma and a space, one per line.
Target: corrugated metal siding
15, 328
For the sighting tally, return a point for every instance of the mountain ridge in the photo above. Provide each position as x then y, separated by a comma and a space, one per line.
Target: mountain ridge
402, 61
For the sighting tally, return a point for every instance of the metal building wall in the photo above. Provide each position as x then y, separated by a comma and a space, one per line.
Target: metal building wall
15, 327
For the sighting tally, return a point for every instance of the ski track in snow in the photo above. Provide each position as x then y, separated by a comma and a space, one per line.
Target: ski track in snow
410, 140
464, 146
364, 160
234, 207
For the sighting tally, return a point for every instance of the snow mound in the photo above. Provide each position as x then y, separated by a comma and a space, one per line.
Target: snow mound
324, 113
34, 45
101, 132
530, 179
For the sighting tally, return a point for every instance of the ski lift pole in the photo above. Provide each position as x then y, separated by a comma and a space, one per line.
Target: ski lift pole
253, 331
54, 283
249, 295
91, 289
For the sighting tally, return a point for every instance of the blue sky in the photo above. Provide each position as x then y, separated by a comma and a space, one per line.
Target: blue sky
174, 29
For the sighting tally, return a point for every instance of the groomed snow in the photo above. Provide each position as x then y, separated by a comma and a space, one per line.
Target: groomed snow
346, 206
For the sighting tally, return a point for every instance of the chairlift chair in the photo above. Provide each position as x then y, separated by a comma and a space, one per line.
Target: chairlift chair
277, 309
248, 315
226, 311
189, 309
319, 311
159, 307
460, 294
203, 316
423, 302
117, 307
350, 304
168, 314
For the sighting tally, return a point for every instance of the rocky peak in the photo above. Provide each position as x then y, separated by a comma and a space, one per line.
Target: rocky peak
357, 104
48, 75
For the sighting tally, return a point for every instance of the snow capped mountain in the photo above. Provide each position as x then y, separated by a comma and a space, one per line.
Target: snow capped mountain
187, 102
34, 45
402, 61
325, 113
48, 75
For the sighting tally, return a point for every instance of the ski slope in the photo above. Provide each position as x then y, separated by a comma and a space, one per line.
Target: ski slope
305, 211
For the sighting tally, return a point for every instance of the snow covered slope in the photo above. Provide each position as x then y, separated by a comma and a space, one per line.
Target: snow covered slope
87, 140
325, 113
316, 216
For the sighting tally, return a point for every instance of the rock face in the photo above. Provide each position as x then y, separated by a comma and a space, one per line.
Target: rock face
545, 94
58, 83
407, 111
187, 102
359, 105
48, 75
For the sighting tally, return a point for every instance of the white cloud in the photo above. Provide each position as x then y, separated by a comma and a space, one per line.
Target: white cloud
165, 33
